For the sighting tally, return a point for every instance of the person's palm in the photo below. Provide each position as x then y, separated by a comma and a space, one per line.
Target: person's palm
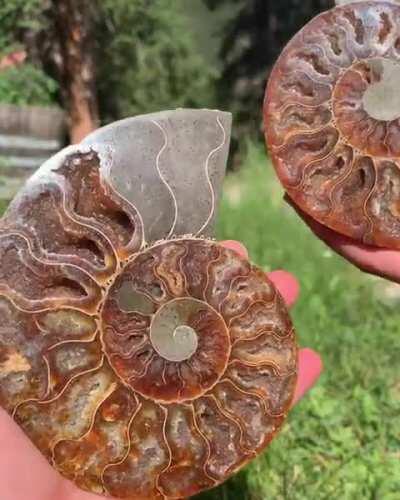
28, 476
380, 262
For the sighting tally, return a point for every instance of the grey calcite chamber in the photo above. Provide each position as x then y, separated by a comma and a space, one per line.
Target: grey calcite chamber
170, 165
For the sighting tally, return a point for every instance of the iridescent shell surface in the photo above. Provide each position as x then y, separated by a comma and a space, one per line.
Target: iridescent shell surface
332, 119
142, 362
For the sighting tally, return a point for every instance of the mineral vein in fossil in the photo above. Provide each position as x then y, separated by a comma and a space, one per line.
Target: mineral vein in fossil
144, 362
332, 118
165, 145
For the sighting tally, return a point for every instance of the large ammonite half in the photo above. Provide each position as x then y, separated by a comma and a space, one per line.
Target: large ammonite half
332, 117
143, 363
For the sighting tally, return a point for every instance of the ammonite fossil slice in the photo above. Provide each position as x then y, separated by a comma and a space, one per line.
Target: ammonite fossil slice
332, 117
144, 363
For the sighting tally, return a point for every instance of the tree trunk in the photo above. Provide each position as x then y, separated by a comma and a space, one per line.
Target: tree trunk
75, 65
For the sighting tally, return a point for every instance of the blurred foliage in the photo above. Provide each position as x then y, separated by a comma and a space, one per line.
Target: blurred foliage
27, 85
17, 18
251, 42
147, 59
3, 206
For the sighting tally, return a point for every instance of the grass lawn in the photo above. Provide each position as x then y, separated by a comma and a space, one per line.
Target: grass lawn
343, 440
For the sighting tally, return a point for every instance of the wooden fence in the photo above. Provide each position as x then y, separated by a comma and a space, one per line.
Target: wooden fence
29, 135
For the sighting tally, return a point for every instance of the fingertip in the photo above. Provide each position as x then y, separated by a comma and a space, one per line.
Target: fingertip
237, 247
310, 369
310, 358
29, 476
287, 285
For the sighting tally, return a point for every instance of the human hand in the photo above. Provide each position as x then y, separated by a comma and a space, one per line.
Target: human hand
373, 260
28, 476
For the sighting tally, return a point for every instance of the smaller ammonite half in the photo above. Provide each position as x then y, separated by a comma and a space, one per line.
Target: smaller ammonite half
332, 119
143, 363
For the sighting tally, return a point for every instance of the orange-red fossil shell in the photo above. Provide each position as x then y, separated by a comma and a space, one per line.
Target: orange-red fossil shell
332, 119
141, 370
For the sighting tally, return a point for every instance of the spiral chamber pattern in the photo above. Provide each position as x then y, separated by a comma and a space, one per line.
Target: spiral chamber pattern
140, 370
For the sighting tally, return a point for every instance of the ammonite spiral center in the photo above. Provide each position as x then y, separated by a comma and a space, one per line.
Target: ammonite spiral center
171, 334
161, 342
366, 99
